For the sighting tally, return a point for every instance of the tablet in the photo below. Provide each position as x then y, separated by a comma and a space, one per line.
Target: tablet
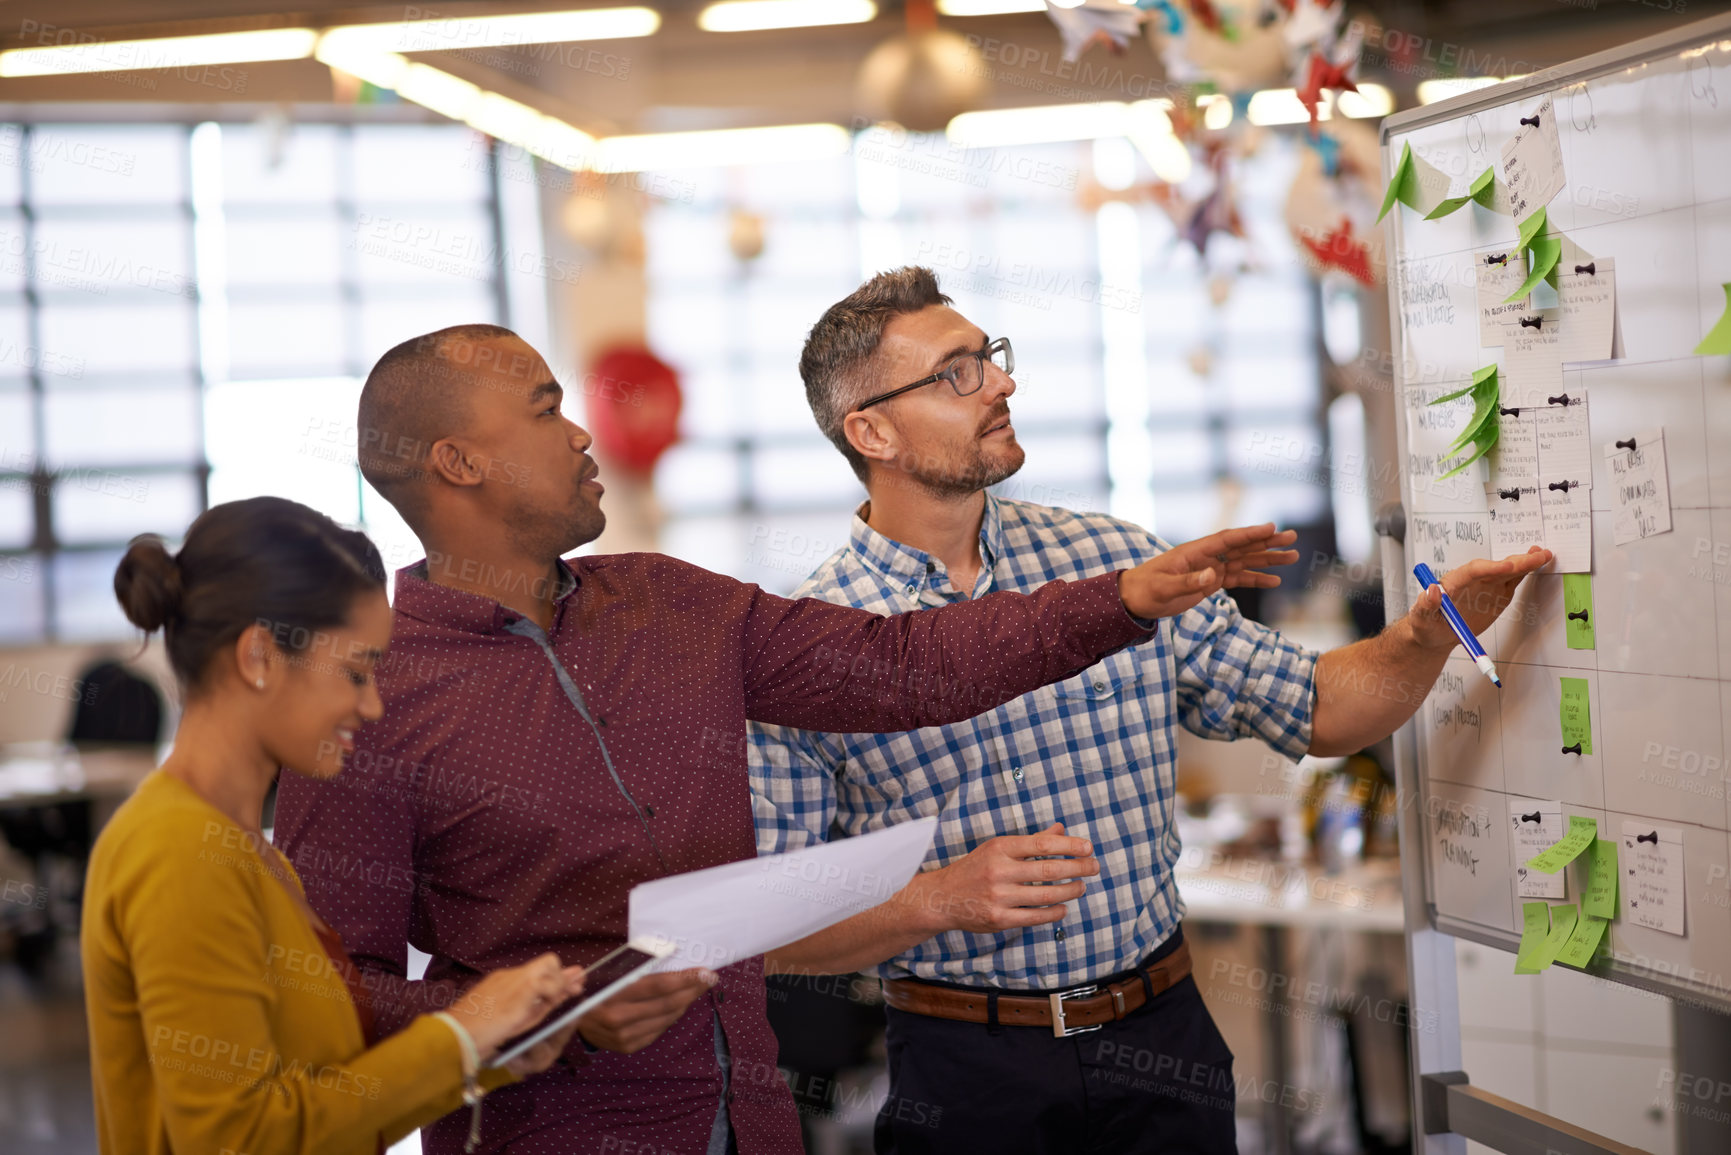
606, 977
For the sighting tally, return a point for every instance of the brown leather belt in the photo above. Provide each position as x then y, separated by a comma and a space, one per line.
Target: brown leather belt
1069, 1012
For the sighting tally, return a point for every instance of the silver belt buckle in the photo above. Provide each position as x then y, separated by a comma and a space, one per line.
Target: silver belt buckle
1060, 1029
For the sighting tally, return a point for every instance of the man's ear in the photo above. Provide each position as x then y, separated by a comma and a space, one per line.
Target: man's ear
447, 461
871, 434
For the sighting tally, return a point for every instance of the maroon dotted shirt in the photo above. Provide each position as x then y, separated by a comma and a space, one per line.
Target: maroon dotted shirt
520, 784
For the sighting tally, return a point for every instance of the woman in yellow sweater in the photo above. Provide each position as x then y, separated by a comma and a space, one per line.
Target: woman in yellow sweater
222, 1020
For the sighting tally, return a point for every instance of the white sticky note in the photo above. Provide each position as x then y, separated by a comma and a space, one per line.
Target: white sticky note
1515, 460
1532, 361
1653, 882
1567, 508
1587, 310
1640, 487
1537, 826
1445, 540
1514, 520
1565, 446
1499, 272
1532, 165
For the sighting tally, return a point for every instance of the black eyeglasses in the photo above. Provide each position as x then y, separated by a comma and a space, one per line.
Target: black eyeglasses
966, 374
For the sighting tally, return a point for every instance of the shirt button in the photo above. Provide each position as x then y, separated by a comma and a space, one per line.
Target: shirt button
1059, 934
720, 995
912, 586
1016, 773
930, 568
1099, 685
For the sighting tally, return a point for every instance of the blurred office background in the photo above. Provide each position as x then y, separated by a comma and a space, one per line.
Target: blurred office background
199, 262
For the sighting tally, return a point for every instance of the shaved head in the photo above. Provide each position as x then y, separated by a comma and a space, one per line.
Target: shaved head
418, 393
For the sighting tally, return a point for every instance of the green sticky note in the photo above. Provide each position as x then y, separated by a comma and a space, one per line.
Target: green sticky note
1484, 440
1583, 943
1577, 714
1600, 899
1483, 190
1535, 928
1402, 185
1533, 226
1544, 252
1563, 920
1582, 832
1718, 339
1578, 608
1485, 393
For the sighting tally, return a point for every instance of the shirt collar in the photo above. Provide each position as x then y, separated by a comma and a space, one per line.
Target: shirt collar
418, 596
915, 568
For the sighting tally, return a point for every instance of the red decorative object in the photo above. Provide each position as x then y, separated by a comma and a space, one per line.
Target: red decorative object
1339, 250
633, 399
1323, 73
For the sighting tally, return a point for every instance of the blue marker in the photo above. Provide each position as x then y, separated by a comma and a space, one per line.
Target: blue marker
1469, 643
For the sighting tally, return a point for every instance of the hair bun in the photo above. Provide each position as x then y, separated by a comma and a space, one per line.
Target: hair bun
148, 584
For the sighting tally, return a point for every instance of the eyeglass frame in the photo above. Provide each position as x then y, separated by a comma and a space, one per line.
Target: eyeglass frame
949, 373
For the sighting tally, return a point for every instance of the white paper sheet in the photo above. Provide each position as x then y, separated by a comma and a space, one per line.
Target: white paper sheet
1499, 272
741, 909
1537, 826
1532, 163
1565, 447
1640, 487
1652, 883
1568, 523
1515, 520
1515, 460
1532, 361
1587, 306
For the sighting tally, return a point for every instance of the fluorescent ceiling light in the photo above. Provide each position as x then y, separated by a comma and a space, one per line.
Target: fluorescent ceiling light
1431, 91
163, 52
1145, 123
720, 147
989, 7
1281, 105
1045, 124
459, 32
1370, 100
498, 116
755, 15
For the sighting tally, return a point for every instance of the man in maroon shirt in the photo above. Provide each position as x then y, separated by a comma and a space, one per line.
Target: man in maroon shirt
556, 732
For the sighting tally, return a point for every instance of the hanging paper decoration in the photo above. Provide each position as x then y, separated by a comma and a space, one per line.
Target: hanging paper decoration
633, 401
1107, 23
1339, 249
1322, 74
1330, 210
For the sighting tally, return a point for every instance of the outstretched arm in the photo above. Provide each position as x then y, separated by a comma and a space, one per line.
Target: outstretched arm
819, 666
1366, 690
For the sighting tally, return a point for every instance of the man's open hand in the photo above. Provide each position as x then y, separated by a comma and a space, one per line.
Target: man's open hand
1480, 590
1185, 574
637, 1015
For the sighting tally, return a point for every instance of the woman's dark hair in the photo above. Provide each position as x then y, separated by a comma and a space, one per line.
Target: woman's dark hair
263, 560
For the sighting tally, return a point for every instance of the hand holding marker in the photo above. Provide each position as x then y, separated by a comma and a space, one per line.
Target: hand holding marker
1426, 579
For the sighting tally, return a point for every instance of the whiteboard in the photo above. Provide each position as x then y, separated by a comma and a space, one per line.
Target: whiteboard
1645, 134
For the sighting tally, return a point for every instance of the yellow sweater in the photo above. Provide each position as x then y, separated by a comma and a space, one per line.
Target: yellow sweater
217, 1024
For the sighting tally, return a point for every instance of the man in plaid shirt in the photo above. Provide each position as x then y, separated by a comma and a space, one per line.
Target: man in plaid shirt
1036, 974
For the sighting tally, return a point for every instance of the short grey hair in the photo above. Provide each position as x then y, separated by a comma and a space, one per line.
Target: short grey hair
835, 361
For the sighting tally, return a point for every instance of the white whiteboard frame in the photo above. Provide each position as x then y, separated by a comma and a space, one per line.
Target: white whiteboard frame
1410, 769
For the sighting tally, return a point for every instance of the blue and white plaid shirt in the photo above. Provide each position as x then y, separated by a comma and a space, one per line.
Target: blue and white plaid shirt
1097, 752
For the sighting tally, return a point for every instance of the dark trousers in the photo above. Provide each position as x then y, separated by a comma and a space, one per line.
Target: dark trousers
1157, 1081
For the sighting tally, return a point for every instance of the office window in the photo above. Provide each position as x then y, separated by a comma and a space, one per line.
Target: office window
1107, 309
187, 313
